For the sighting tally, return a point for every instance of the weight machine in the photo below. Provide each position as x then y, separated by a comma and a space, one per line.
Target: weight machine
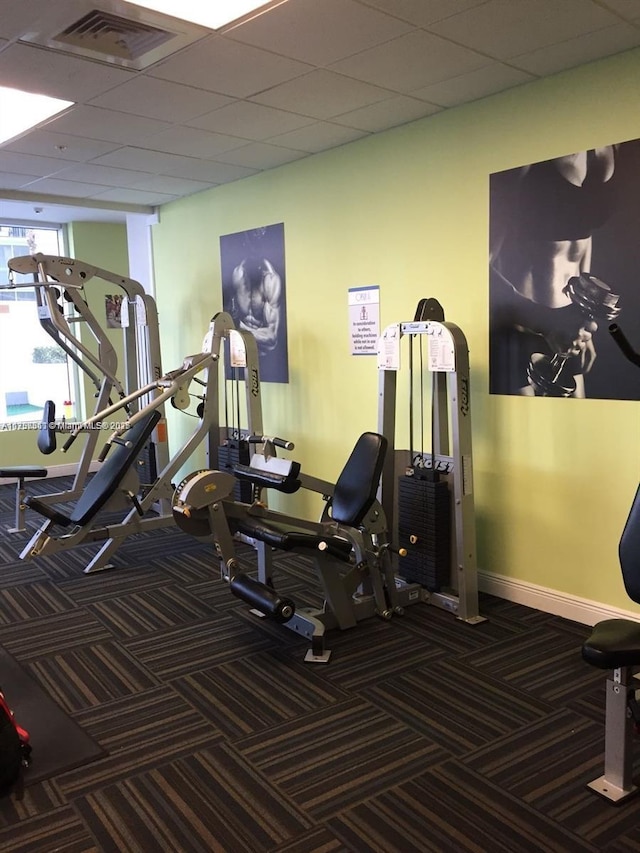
348, 544
59, 282
120, 486
427, 496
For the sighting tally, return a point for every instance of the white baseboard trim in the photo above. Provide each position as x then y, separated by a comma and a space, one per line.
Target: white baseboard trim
54, 471
550, 600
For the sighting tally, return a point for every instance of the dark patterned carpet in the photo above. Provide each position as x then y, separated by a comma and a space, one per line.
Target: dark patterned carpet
421, 734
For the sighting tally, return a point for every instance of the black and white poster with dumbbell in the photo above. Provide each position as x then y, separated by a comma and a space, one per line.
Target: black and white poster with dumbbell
564, 271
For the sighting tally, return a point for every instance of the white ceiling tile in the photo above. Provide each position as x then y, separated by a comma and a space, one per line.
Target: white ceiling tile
260, 155
319, 137
107, 125
474, 85
411, 61
172, 165
321, 94
53, 186
227, 67
191, 142
306, 30
385, 114
29, 164
627, 8
250, 121
586, 48
423, 12
48, 72
507, 28
171, 186
129, 196
13, 181
62, 145
160, 99
104, 175
16, 18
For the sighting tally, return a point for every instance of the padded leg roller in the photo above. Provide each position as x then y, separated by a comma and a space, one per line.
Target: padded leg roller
262, 598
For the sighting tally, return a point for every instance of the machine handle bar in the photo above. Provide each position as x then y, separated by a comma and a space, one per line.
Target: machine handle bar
623, 344
278, 442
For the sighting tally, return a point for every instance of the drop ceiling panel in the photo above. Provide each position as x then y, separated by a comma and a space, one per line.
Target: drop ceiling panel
102, 175
507, 28
16, 18
261, 155
192, 142
171, 186
173, 165
322, 94
424, 12
319, 137
53, 186
474, 85
47, 72
306, 30
227, 67
385, 114
130, 196
250, 121
66, 147
108, 125
627, 8
159, 99
13, 181
410, 62
586, 48
29, 164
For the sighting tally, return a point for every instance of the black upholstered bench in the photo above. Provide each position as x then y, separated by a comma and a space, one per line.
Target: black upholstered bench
20, 473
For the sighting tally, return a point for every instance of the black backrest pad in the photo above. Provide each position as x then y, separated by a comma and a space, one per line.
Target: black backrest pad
46, 433
356, 488
629, 551
120, 459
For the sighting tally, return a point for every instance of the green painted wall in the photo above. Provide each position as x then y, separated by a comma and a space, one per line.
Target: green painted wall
408, 210
103, 245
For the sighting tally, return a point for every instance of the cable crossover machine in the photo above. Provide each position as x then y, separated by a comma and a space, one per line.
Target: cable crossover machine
427, 492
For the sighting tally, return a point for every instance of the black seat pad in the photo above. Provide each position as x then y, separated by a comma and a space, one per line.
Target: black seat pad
25, 471
286, 538
613, 643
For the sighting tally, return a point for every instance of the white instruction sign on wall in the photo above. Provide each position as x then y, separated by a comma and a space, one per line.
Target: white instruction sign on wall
364, 319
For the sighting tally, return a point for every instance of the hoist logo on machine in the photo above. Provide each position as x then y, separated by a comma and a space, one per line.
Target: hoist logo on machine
255, 382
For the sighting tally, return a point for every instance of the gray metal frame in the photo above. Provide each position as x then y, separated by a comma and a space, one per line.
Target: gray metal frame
616, 784
159, 391
451, 403
142, 361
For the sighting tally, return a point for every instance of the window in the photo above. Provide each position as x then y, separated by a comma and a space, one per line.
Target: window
33, 368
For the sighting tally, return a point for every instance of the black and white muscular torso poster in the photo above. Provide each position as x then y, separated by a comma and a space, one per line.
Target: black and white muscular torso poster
253, 292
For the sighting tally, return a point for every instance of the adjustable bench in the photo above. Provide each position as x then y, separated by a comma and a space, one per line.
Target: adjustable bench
20, 473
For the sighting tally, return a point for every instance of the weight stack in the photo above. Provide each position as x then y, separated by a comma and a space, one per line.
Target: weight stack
424, 530
236, 453
147, 467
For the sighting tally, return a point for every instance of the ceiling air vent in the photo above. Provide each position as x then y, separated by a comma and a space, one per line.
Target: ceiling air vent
113, 36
